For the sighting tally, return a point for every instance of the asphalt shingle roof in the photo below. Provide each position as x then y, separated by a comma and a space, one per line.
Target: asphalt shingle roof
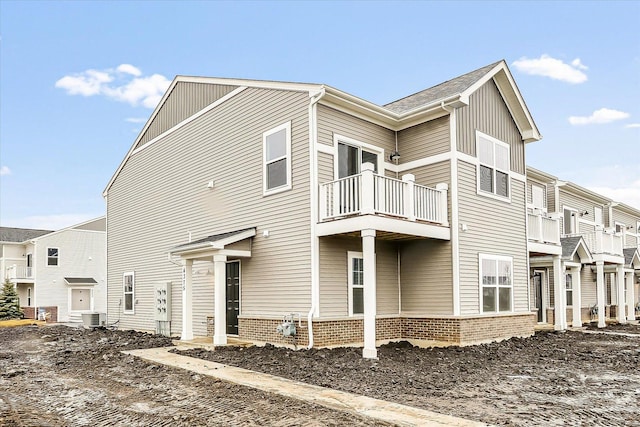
214, 237
19, 235
628, 255
441, 91
569, 245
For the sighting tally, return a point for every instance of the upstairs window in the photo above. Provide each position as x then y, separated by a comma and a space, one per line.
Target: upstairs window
276, 149
570, 221
52, 256
128, 282
597, 215
494, 166
537, 197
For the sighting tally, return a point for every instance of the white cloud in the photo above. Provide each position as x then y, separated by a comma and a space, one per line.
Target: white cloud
629, 194
633, 125
4, 170
601, 116
125, 83
135, 120
553, 68
129, 69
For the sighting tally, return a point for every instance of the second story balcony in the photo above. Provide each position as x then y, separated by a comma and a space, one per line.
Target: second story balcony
543, 229
396, 206
14, 272
603, 242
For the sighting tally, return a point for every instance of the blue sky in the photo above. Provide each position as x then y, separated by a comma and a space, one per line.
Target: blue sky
78, 79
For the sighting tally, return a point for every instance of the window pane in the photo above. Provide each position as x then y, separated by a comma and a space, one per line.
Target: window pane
358, 301
488, 299
368, 157
52, 252
502, 158
485, 151
128, 286
502, 184
52, 261
277, 174
357, 273
505, 299
486, 179
348, 161
128, 302
504, 273
488, 272
568, 280
276, 145
569, 297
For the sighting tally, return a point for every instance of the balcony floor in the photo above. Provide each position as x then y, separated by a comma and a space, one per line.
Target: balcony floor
387, 228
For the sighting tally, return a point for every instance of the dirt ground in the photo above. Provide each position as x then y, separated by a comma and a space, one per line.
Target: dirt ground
62, 376
569, 378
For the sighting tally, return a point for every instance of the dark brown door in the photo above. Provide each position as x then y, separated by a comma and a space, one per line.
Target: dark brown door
537, 284
233, 296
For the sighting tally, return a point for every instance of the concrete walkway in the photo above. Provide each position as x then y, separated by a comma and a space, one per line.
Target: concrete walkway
374, 408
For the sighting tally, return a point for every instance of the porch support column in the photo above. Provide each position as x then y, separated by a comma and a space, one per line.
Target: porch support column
187, 300
220, 299
559, 293
577, 297
600, 293
369, 297
631, 297
621, 312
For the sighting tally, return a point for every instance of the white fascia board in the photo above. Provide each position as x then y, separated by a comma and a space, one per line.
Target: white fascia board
379, 223
311, 88
544, 248
609, 259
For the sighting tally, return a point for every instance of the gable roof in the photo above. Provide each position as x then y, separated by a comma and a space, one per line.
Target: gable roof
631, 256
573, 245
19, 235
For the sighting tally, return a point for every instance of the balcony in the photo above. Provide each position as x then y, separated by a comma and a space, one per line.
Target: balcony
601, 242
543, 229
14, 272
367, 200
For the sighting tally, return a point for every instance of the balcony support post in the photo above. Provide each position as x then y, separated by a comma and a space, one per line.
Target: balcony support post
410, 196
577, 297
631, 297
369, 263
600, 293
621, 312
559, 294
442, 215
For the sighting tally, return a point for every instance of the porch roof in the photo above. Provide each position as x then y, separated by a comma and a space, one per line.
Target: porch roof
80, 281
573, 245
631, 257
213, 242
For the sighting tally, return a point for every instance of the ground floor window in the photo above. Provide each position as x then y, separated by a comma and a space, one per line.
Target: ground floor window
568, 280
496, 279
356, 282
129, 291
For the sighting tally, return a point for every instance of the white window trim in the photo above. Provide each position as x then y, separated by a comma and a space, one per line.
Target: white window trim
482, 257
543, 208
567, 289
268, 191
575, 215
47, 255
133, 293
598, 225
361, 145
623, 227
239, 261
479, 164
350, 256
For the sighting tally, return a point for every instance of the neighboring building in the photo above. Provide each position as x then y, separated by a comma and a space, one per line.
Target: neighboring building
246, 201
62, 273
584, 253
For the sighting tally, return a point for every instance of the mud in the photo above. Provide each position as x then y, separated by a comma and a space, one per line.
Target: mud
569, 378
61, 376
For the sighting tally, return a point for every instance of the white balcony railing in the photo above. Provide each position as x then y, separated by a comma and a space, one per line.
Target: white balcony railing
19, 272
368, 193
601, 242
543, 229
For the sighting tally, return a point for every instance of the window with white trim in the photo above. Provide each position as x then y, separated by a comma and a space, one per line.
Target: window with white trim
53, 256
537, 197
128, 285
597, 215
494, 166
276, 149
496, 282
356, 282
568, 281
570, 221
620, 227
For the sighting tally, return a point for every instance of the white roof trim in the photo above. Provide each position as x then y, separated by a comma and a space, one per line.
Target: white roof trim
218, 244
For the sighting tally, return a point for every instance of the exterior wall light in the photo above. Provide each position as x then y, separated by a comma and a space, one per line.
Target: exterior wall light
394, 156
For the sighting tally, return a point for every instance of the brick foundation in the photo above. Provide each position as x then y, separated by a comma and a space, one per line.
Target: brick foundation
30, 312
459, 330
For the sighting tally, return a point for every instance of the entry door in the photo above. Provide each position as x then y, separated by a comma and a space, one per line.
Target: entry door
233, 296
80, 300
537, 285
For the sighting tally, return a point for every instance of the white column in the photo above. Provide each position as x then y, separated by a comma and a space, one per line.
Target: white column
621, 312
220, 299
367, 189
409, 197
577, 297
369, 264
559, 292
600, 294
187, 300
631, 297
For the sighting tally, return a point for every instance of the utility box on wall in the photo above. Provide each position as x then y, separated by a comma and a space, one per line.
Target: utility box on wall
162, 297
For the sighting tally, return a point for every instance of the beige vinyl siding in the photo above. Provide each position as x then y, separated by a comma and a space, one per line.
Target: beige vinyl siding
581, 204
627, 220
432, 175
551, 198
99, 224
494, 227
424, 140
184, 100
488, 113
332, 122
161, 196
334, 289
588, 287
325, 168
426, 277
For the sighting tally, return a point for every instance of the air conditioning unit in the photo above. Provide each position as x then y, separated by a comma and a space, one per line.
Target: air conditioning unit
94, 320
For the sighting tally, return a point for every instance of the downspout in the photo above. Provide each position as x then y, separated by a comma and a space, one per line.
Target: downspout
453, 194
313, 191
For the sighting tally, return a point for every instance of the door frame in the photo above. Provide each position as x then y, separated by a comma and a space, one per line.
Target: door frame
543, 291
91, 299
239, 291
